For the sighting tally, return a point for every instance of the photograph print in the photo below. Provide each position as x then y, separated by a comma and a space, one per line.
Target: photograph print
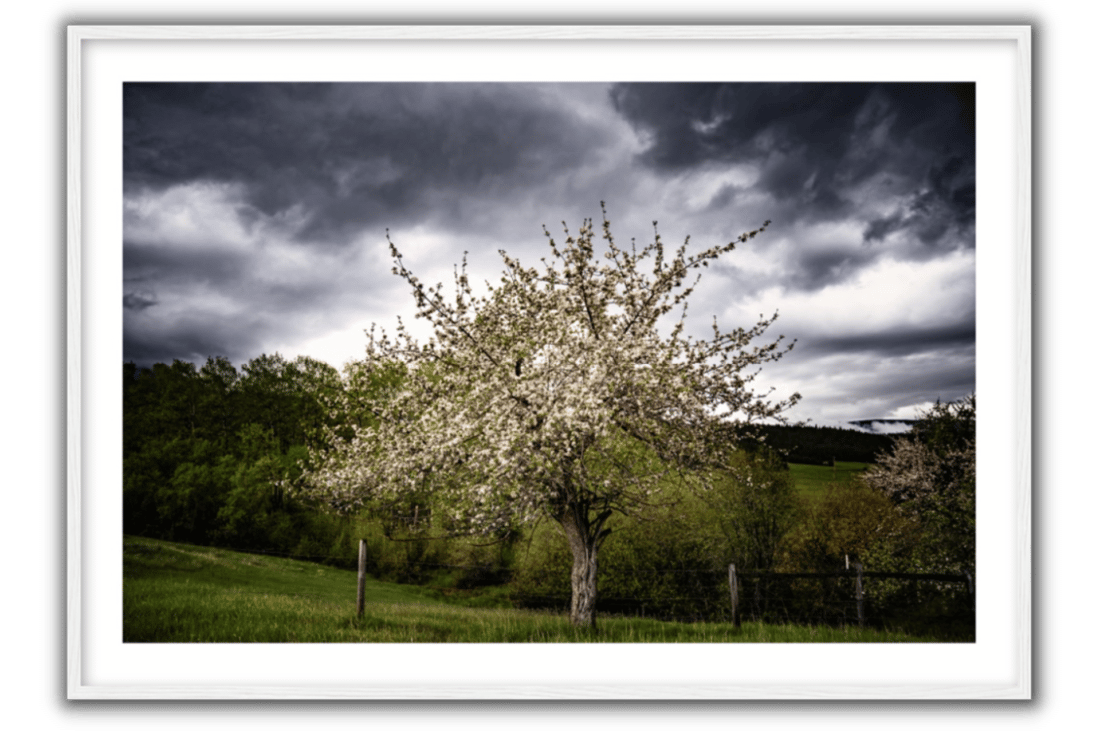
549, 362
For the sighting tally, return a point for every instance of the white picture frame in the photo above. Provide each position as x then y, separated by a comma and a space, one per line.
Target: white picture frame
996, 666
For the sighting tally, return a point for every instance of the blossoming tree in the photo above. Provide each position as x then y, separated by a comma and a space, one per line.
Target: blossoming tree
555, 395
931, 476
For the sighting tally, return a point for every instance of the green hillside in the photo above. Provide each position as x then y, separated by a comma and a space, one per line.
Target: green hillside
187, 593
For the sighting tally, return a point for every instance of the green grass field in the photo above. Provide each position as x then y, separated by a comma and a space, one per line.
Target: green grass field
811, 481
184, 593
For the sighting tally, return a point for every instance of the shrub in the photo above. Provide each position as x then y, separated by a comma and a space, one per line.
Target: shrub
670, 560
855, 521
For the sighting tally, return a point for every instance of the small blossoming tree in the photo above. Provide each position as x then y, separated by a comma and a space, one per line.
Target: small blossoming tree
554, 395
931, 476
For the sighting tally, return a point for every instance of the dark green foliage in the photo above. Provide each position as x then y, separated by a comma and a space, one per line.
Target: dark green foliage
931, 477
481, 564
820, 446
756, 508
671, 566
910, 512
671, 560
255, 506
948, 426
852, 522
145, 471
290, 399
365, 389
210, 454
187, 505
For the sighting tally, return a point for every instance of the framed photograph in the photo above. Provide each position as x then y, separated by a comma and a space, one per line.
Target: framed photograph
249, 200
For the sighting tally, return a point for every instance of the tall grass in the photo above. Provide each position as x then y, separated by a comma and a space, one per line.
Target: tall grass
182, 593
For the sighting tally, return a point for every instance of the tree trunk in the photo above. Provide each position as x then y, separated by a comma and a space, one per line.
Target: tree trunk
584, 538
582, 609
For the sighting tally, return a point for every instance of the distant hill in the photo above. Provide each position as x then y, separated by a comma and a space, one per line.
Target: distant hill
885, 425
820, 445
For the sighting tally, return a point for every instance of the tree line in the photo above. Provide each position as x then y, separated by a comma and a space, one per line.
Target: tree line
210, 453
818, 445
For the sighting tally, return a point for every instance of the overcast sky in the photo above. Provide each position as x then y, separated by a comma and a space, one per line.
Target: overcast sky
255, 214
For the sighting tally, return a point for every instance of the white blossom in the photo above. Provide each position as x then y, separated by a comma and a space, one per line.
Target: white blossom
554, 394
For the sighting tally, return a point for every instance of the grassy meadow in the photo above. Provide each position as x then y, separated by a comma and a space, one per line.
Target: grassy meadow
811, 481
186, 593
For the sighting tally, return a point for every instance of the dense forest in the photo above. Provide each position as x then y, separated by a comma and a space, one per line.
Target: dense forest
209, 453
820, 445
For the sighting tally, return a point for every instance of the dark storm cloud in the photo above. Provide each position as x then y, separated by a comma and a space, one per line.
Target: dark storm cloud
803, 269
138, 300
192, 339
255, 215
946, 202
814, 269
867, 384
222, 271
895, 341
347, 155
943, 375
211, 266
825, 151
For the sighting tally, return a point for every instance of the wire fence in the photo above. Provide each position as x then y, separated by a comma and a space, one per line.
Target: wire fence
919, 601
858, 597
931, 602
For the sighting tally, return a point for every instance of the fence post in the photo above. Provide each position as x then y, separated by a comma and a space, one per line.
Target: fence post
733, 597
859, 591
970, 591
361, 592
